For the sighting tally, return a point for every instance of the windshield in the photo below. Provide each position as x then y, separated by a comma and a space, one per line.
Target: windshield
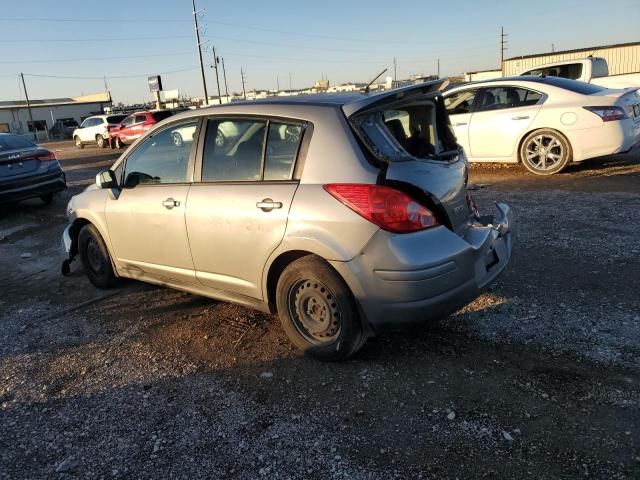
11, 142
419, 130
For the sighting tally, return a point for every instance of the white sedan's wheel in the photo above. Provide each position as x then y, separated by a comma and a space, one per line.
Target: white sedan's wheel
545, 152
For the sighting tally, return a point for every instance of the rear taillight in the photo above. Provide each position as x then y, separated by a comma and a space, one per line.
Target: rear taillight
47, 157
386, 207
608, 114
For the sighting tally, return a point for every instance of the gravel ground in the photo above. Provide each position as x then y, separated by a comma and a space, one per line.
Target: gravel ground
538, 378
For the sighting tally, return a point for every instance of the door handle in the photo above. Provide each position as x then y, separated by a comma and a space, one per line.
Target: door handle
460, 124
169, 203
525, 117
266, 205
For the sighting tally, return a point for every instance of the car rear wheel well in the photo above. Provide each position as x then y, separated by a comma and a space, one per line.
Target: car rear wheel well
276, 269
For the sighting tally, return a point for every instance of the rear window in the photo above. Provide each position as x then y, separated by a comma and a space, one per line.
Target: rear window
573, 85
419, 130
161, 115
11, 142
115, 118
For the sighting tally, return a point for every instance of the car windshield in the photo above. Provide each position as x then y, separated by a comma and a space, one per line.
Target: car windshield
573, 85
12, 142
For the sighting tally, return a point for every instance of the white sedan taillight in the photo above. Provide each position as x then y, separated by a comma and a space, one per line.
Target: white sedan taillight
608, 114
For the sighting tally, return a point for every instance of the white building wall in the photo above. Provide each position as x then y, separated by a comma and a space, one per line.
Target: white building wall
17, 118
622, 59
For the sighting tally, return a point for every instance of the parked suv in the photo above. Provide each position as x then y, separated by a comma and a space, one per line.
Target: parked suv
96, 130
134, 126
345, 215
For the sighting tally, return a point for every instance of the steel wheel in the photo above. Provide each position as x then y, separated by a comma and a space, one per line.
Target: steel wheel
78, 142
314, 311
95, 257
545, 152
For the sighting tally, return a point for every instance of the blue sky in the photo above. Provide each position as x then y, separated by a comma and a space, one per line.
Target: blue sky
340, 40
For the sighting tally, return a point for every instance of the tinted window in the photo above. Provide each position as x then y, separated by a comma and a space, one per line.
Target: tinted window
497, 98
572, 85
460, 102
128, 121
233, 150
140, 119
160, 159
161, 115
11, 142
282, 147
115, 118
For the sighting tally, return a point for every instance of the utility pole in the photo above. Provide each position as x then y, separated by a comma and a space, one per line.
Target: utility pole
244, 92
216, 60
395, 73
553, 48
26, 96
204, 81
438, 68
502, 49
289, 81
277, 83
226, 86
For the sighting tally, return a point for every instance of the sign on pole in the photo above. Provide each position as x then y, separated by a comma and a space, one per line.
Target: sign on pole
155, 83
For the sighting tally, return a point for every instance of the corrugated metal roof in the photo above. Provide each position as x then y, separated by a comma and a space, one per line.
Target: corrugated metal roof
576, 50
101, 97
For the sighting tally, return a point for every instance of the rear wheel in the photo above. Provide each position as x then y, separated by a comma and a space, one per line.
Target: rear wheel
78, 142
119, 144
95, 257
545, 152
317, 310
101, 141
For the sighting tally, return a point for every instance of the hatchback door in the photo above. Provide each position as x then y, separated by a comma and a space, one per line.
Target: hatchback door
502, 115
428, 160
237, 212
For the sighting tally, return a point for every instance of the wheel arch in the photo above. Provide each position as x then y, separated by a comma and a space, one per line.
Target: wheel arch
276, 268
74, 232
529, 132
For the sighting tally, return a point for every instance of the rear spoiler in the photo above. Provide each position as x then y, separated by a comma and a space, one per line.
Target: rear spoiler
373, 102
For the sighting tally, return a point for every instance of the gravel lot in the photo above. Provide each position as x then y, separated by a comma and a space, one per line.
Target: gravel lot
537, 378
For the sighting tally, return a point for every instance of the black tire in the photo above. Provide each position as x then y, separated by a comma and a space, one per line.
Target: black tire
47, 198
119, 143
78, 142
95, 257
102, 143
545, 152
317, 310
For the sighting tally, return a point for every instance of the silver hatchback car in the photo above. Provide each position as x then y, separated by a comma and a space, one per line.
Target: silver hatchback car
347, 215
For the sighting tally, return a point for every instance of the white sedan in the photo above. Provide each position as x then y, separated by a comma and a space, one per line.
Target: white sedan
543, 122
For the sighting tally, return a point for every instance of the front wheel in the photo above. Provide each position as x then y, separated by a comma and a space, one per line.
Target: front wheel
95, 257
545, 152
78, 142
317, 310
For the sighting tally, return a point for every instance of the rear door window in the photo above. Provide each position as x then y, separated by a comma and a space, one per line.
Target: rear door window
499, 98
140, 119
233, 150
283, 142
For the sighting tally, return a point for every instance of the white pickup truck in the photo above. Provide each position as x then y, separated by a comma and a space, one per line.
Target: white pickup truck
591, 69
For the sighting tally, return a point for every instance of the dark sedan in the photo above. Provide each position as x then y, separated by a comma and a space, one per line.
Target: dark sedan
28, 171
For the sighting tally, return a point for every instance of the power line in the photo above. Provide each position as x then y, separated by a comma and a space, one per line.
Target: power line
109, 77
94, 59
94, 20
85, 40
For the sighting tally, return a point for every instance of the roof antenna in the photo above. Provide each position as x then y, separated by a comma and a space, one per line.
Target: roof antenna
368, 87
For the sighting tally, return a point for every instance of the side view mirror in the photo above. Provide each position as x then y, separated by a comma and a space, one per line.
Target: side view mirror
106, 179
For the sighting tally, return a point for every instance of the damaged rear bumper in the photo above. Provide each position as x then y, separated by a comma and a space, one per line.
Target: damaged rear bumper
403, 279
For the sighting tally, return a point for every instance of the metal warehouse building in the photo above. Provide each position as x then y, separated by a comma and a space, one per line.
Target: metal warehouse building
14, 115
622, 58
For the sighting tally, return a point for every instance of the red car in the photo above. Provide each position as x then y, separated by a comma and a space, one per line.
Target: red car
134, 126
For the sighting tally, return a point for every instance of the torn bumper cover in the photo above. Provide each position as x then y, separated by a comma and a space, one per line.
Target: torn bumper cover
425, 275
